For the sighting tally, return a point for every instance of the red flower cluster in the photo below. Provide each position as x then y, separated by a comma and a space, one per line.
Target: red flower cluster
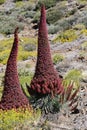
46, 79
13, 96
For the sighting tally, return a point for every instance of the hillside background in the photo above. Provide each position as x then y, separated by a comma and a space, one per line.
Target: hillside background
67, 28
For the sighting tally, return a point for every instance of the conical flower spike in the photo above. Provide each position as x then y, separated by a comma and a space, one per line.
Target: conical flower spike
13, 96
46, 79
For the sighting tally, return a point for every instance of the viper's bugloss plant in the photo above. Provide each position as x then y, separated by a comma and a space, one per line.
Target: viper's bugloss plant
46, 79
13, 96
46, 89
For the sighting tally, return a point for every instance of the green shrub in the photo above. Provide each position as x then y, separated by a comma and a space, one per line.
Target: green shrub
36, 17
57, 12
60, 25
8, 23
2, 1
73, 11
73, 76
52, 29
11, 19
57, 58
66, 23
84, 46
54, 15
63, 24
29, 14
79, 26
19, 4
48, 3
82, 55
67, 36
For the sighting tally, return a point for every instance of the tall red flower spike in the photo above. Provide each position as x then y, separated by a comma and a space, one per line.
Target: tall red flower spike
13, 96
46, 79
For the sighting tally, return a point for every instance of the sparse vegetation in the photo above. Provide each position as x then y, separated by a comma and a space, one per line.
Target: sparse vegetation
18, 119
8, 22
19, 3
24, 52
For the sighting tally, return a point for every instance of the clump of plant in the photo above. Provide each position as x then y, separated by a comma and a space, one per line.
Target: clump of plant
82, 55
13, 96
84, 46
79, 26
54, 15
2, 2
52, 29
67, 36
64, 24
7, 27
73, 75
8, 22
57, 58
